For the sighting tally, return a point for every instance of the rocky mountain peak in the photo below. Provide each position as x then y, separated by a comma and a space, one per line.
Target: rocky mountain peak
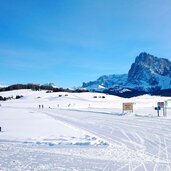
150, 70
158, 65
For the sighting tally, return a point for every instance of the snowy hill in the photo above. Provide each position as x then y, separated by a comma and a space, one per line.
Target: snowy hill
148, 73
82, 131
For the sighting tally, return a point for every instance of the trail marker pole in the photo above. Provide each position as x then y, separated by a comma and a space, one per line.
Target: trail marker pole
158, 113
163, 111
165, 106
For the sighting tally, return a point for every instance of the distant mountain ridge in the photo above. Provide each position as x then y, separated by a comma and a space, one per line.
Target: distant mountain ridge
107, 81
147, 74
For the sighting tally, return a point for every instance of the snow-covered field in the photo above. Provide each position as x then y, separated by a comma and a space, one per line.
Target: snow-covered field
82, 131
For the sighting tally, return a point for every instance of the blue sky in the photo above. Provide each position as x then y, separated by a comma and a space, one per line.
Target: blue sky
68, 42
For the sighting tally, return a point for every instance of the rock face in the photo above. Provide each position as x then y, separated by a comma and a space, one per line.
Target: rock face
148, 73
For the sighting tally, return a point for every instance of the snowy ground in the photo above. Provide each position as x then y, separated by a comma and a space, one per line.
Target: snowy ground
81, 132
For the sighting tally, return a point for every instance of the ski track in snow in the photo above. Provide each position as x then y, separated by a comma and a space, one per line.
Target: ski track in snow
134, 145
129, 138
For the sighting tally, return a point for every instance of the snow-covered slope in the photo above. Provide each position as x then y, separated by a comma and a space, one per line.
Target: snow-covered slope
82, 131
25, 119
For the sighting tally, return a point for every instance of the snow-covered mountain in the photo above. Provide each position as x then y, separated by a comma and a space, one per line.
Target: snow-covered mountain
147, 73
106, 82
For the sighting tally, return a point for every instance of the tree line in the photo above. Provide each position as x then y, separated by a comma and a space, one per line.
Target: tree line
38, 87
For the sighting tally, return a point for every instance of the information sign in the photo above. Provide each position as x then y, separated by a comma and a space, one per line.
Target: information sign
127, 107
